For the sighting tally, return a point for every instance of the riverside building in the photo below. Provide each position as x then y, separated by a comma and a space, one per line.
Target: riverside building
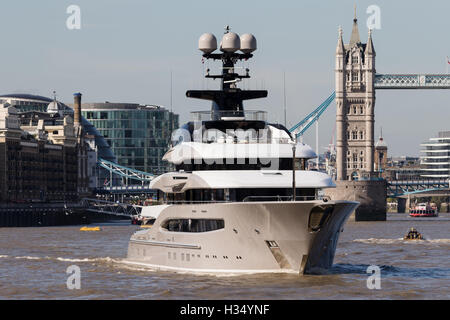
47, 160
139, 135
24, 103
35, 106
436, 159
39, 157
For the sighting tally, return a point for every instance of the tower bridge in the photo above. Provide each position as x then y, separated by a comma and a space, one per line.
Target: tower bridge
412, 81
356, 82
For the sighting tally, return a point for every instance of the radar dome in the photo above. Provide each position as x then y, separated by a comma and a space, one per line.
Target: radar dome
207, 43
304, 151
54, 108
248, 43
230, 42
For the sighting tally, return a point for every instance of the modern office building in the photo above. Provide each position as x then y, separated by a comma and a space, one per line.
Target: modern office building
138, 135
436, 159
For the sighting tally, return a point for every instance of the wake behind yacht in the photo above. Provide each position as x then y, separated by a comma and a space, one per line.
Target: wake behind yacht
240, 199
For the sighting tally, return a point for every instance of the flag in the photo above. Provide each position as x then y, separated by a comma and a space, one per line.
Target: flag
448, 60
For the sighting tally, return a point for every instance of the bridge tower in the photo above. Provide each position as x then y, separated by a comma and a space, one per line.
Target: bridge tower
355, 103
355, 120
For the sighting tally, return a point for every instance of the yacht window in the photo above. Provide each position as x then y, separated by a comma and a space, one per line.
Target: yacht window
237, 164
319, 216
240, 194
193, 225
272, 194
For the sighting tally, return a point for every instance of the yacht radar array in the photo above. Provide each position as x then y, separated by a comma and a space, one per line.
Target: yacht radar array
227, 102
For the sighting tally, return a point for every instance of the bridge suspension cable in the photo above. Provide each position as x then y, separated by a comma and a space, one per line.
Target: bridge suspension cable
124, 171
300, 128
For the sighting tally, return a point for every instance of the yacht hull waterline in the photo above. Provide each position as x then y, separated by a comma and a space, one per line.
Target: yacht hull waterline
257, 237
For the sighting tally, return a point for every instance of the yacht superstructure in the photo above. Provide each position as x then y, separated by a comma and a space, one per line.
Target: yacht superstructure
240, 199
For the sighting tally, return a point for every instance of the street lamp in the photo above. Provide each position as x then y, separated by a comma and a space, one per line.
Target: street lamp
293, 169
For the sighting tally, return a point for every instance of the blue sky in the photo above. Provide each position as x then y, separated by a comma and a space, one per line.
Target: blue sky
125, 51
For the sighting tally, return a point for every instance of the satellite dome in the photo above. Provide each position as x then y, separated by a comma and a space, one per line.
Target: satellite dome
304, 151
248, 43
207, 43
230, 42
54, 108
381, 144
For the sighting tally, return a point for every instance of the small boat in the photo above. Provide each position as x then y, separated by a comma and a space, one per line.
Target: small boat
423, 210
136, 219
90, 229
144, 219
413, 234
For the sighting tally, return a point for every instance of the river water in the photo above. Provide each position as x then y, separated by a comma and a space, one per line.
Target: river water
34, 261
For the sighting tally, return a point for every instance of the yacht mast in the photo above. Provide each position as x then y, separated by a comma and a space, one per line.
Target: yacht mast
227, 102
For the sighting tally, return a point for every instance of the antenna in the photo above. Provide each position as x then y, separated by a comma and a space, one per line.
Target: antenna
170, 90
228, 101
284, 93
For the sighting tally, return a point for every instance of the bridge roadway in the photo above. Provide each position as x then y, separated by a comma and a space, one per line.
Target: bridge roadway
412, 81
112, 208
126, 189
403, 188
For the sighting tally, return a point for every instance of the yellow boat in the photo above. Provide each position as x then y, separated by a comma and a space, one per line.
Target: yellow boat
146, 225
90, 229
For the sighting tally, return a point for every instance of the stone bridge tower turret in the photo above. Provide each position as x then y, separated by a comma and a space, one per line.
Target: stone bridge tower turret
355, 102
355, 120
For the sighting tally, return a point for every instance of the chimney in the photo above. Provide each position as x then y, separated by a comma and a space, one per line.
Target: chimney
77, 109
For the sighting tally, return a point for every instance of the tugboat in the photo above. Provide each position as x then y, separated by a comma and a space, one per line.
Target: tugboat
423, 210
413, 234
241, 199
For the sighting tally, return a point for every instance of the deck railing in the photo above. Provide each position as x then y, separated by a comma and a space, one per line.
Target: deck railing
253, 199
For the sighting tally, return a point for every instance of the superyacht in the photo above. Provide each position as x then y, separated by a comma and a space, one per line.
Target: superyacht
240, 199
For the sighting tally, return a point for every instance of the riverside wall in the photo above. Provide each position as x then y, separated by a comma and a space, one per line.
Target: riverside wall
371, 194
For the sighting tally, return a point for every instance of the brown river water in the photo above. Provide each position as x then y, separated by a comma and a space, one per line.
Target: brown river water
34, 261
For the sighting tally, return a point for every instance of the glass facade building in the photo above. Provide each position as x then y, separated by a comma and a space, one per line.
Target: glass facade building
139, 135
436, 158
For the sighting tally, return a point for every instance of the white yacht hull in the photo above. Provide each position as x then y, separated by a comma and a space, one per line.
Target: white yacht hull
258, 237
